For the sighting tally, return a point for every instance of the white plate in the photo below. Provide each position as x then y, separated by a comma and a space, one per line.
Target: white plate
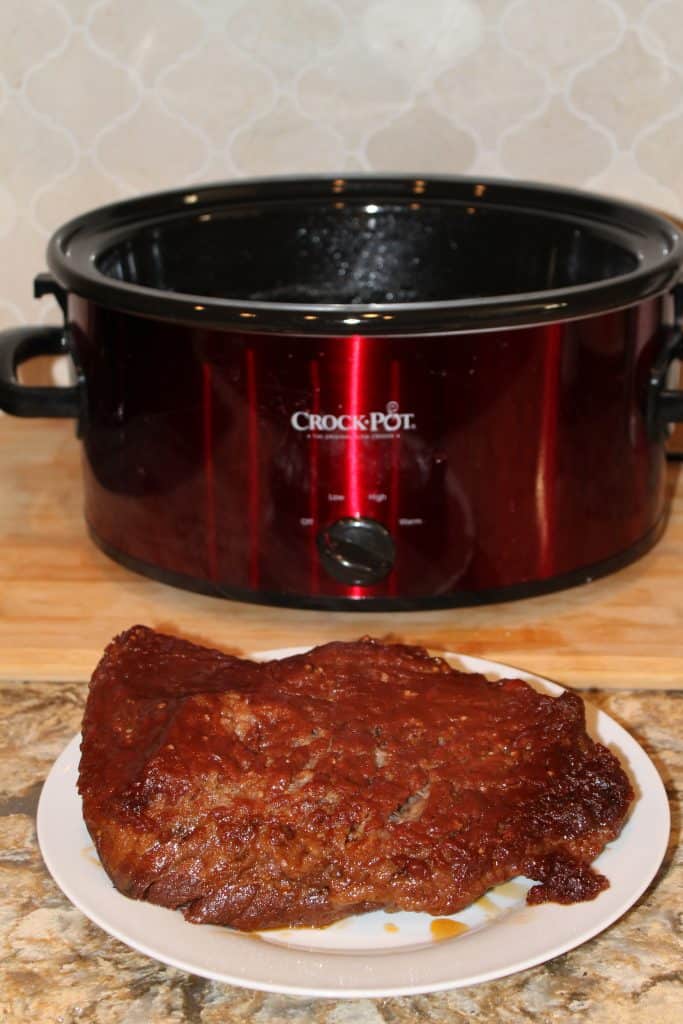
374, 954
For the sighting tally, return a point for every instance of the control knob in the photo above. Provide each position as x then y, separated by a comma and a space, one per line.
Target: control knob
356, 551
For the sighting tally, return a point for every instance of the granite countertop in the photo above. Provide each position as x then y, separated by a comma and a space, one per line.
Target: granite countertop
58, 967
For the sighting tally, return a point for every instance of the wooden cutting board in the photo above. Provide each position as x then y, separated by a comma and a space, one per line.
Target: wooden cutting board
61, 600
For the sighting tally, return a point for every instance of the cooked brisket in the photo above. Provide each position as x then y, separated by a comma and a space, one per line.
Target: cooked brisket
355, 777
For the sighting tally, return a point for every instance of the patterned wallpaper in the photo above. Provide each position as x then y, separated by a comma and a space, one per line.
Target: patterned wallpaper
106, 98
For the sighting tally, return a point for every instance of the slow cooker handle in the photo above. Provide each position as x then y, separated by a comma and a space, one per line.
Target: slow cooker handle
19, 344
665, 405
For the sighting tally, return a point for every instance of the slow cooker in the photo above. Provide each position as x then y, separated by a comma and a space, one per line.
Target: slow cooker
368, 392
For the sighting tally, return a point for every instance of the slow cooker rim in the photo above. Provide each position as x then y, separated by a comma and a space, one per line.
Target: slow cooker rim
76, 271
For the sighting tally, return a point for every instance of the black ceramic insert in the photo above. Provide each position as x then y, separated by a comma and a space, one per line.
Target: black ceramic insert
395, 255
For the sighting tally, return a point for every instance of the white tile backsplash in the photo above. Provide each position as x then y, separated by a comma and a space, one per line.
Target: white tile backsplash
106, 98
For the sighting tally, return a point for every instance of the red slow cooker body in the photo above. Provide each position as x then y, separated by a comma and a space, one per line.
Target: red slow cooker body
371, 392
499, 462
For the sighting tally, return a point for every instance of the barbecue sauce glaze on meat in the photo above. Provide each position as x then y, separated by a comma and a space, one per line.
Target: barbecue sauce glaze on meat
358, 776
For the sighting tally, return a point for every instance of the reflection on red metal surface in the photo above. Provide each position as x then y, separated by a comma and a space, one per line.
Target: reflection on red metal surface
254, 470
313, 484
209, 477
546, 471
354, 480
394, 475
355, 477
